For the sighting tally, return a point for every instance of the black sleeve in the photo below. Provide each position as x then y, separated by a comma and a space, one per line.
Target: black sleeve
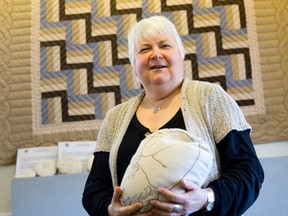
241, 177
98, 189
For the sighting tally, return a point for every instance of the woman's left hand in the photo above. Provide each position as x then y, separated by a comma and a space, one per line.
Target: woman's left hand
116, 208
180, 204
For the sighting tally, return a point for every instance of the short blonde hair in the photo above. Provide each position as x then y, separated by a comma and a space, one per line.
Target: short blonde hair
150, 28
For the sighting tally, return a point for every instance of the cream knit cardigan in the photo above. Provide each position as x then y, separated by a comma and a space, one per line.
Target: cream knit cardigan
209, 114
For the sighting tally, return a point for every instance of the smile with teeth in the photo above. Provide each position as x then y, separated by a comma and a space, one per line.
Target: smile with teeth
158, 66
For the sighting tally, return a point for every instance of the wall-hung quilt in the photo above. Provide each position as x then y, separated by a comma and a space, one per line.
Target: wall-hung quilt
63, 64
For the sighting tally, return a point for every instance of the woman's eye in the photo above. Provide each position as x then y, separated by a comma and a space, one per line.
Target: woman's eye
143, 50
165, 46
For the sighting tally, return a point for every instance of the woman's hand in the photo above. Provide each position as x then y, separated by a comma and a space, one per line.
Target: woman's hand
191, 201
116, 208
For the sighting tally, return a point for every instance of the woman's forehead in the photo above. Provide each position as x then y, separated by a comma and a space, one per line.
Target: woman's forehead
155, 39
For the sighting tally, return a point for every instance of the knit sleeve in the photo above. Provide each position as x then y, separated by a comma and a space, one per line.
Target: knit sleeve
103, 137
223, 114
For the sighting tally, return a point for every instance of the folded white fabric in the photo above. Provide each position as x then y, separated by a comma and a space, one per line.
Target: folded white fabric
163, 159
45, 168
69, 164
25, 173
90, 162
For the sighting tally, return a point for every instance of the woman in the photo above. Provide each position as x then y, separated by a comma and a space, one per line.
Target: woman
169, 100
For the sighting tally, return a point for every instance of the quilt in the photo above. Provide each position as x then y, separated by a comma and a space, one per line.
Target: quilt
67, 63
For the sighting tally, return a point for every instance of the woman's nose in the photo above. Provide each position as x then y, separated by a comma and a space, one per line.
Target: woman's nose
156, 53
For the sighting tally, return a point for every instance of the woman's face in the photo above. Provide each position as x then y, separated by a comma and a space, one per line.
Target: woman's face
158, 62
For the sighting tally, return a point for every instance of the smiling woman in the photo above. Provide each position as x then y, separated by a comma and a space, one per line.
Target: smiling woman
156, 52
150, 30
159, 66
203, 110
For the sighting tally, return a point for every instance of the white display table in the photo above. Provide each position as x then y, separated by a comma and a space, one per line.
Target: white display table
58, 195
61, 195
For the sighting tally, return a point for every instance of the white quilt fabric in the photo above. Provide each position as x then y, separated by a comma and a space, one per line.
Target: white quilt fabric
163, 159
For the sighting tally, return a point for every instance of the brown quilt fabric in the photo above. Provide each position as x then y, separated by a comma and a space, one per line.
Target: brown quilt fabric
65, 63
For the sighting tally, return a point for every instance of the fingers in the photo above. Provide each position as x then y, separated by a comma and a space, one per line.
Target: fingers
189, 185
178, 203
171, 195
117, 194
131, 209
116, 208
178, 197
162, 208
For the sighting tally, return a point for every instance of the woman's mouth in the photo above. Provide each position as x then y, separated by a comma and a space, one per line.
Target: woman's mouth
157, 67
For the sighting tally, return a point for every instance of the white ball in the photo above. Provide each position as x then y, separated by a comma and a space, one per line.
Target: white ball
45, 168
69, 164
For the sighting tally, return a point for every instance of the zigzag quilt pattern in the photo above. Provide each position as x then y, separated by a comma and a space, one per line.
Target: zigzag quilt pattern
84, 67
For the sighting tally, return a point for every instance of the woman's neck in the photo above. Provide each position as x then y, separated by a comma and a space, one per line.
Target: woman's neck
158, 101
160, 94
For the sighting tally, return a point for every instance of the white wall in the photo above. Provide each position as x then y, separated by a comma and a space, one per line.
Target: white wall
7, 172
6, 175
273, 149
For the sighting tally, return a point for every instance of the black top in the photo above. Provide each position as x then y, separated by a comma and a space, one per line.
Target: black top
237, 188
134, 135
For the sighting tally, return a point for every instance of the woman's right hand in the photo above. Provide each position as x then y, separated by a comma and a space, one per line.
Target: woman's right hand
117, 209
